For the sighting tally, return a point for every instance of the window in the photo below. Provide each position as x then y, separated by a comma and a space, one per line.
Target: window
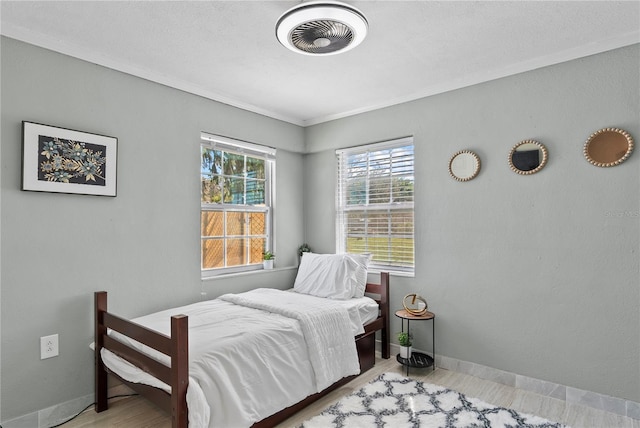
236, 208
375, 204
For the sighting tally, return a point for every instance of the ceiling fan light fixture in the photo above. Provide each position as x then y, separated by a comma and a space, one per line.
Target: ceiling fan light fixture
321, 28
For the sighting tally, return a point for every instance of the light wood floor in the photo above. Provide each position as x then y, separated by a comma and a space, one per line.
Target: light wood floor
137, 412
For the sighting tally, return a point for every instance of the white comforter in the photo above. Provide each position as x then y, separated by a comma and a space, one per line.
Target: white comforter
330, 343
259, 361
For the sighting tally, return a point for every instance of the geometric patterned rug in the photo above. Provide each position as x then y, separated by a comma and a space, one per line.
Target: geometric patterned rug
394, 401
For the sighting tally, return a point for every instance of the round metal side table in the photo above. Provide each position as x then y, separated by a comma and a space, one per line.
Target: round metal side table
418, 359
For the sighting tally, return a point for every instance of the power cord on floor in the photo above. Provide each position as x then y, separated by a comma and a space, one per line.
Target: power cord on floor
83, 410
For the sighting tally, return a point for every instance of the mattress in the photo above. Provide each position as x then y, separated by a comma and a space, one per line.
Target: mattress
255, 353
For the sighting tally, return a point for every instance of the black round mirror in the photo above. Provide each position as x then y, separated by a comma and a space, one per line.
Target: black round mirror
528, 157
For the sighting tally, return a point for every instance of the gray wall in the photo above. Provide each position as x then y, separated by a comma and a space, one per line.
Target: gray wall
536, 275
142, 246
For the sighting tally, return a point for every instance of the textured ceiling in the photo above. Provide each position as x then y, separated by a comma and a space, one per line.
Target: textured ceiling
227, 50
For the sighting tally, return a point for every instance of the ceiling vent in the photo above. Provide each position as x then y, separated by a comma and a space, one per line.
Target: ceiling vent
321, 28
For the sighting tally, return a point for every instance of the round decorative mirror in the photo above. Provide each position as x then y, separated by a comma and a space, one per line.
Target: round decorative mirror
464, 165
608, 147
528, 157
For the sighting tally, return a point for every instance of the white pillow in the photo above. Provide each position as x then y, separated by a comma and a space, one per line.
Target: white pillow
362, 260
333, 276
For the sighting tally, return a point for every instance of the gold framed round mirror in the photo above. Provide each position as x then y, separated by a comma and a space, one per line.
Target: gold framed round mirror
608, 147
528, 157
464, 165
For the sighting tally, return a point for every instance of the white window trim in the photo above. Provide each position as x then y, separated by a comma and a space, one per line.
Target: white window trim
341, 209
269, 154
238, 146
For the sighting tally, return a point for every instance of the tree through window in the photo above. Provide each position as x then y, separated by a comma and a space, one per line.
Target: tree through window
235, 220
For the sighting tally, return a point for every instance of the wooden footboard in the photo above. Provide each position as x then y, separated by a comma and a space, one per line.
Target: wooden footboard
176, 347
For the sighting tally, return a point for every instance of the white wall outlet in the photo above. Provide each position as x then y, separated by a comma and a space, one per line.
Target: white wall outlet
48, 346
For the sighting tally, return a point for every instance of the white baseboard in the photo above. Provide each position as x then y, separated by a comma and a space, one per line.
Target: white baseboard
61, 412
569, 394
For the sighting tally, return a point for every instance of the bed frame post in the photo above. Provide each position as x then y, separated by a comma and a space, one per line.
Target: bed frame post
384, 334
179, 370
100, 304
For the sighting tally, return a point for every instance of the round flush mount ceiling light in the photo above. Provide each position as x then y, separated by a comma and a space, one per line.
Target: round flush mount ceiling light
321, 28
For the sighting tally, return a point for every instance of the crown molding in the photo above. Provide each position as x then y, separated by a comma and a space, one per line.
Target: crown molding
498, 73
79, 52
44, 41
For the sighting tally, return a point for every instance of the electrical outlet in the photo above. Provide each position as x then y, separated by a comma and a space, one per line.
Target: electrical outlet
48, 346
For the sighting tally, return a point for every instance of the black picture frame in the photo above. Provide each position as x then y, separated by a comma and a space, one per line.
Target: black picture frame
61, 160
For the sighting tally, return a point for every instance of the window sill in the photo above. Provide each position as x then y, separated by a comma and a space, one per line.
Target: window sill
247, 273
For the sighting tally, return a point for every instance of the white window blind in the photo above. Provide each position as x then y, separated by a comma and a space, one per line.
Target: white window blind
375, 203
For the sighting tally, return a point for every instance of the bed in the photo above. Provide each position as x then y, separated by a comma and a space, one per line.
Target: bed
229, 381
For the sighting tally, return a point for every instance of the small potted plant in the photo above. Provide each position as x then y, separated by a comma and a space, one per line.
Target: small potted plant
404, 338
304, 248
267, 259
